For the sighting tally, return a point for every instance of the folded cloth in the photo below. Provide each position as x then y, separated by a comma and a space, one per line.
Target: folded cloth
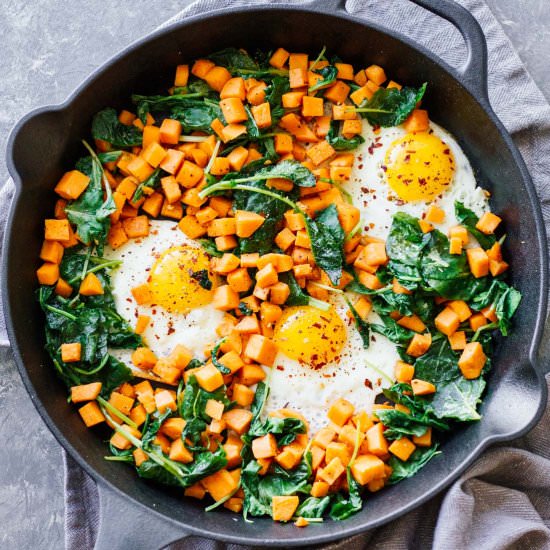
503, 500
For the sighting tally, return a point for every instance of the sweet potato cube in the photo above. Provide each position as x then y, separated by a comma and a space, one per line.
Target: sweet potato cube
312, 106
140, 169
57, 230
412, 322
209, 377
478, 261
376, 442
179, 452
472, 360
435, 214
234, 87
283, 507
233, 110
144, 358
324, 437
70, 353
251, 374
488, 223
165, 399
182, 75
367, 467
419, 344
264, 447
497, 268
457, 340
142, 294
447, 321
340, 411
48, 273
191, 227
402, 448
319, 489
180, 356
136, 227
222, 226
424, 440
232, 448
119, 441
195, 491
417, 121
320, 152
217, 78
219, 484
139, 457
290, 456
332, 471
340, 450
91, 286
338, 92
239, 279
214, 409
422, 387
455, 245
121, 402
238, 420
225, 298
242, 395
225, 242
267, 276
279, 58
85, 392
261, 349
91, 414
246, 223
404, 372
170, 131
72, 185
262, 115
173, 427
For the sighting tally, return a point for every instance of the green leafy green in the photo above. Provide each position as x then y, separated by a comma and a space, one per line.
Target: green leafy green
107, 127
402, 470
469, 219
363, 328
455, 397
240, 63
328, 75
390, 106
327, 242
343, 507
339, 142
202, 277
152, 182
313, 507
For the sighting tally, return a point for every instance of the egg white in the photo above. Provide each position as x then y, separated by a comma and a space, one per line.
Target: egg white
166, 329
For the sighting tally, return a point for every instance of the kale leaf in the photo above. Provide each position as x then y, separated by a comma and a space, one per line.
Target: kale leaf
402, 470
339, 142
469, 219
107, 127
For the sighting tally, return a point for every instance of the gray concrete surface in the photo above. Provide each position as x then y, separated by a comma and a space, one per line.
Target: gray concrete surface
48, 47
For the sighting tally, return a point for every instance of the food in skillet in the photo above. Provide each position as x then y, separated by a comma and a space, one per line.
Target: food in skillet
275, 286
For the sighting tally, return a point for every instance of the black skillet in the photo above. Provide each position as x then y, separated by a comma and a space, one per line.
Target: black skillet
45, 143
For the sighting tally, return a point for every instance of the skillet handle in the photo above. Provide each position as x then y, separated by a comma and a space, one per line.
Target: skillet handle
474, 69
125, 525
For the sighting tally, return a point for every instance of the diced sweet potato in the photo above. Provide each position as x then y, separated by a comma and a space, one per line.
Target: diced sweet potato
85, 392
217, 78
91, 414
340, 411
144, 358
417, 121
238, 420
119, 441
447, 321
72, 185
422, 387
419, 344
179, 452
376, 442
70, 353
424, 440
219, 484
91, 285
261, 349
209, 377
283, 507
367, 467
478, 261
472, 360
225, 298
457, 340
488, 223
332, 471
265, 446
402, 448
412, 322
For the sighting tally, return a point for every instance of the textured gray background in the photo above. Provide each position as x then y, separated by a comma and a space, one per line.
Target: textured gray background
48, 48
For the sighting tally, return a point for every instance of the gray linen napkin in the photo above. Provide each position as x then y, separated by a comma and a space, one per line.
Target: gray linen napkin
503, 500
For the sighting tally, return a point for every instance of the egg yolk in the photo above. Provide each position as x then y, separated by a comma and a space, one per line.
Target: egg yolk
176, 276
310, 336
419, 167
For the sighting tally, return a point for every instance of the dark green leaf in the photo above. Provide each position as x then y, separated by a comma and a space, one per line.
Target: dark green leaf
202, 277
313, 507
344, 507
339, 142
329, 77
390, 106
152, 182
402, 470
107, 127
469, 219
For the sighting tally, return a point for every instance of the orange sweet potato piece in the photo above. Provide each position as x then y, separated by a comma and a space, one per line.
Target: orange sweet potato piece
72, 185
402, 448
217, 78
262, 115
265, 446
488, 223
91, 414
472, 360
417, 121
422, 387
478, 261
144, 358
246, 223
283, 507
419, 344
234, 87
261, 349
91, 286
447, 321
279, 58
85, 392
225, 298
209, 377
376, 442
367, 467
57, 230
71, 353
170, 131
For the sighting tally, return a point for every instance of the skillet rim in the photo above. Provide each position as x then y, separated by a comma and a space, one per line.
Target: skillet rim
482, 100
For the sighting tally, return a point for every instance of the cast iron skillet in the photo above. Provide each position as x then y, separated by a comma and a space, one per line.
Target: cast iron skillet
45, 143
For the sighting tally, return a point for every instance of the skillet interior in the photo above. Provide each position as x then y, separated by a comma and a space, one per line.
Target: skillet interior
47, 144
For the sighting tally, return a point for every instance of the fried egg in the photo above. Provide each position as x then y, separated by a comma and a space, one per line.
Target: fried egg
181, 311
322, 357
399, 171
